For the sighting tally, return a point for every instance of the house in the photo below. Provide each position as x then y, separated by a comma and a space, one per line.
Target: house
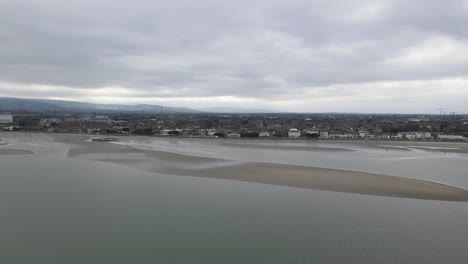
423, 135
312, 133
234, 135
414, 135
294, 133
203, 132
363, 134
324, 134
343, 135
165, 132
264, 134
450, 137
350, 135
411, 135
212, 132
386, 136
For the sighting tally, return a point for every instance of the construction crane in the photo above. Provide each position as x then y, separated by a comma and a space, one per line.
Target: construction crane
440, 110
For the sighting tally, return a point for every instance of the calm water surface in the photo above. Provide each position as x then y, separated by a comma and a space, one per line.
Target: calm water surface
58, 210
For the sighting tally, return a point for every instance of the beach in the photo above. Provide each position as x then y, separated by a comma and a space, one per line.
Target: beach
308, 177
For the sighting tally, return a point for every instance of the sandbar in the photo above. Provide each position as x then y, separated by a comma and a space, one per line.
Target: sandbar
334, 180
14, 152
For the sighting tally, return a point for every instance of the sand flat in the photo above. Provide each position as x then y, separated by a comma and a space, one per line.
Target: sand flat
271, 146
438, 146
14, 152
335, 180
266, 173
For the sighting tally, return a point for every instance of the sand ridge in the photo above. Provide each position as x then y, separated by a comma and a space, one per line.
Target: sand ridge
266, 173
14, 152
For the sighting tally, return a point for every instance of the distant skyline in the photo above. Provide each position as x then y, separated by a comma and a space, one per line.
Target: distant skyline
393, 56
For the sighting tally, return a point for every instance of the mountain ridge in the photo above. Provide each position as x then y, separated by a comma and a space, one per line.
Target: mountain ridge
48, 105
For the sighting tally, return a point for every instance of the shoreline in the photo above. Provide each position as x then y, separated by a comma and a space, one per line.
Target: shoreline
162, 162
260, 139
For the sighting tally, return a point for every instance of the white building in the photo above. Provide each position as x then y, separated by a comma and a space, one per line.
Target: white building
234, 135
423, 135
165, 132
350, 135
264, 134
363, 134
324, 134
212, 132
414, 135
6, 119
451, 137
294, 133
386, 136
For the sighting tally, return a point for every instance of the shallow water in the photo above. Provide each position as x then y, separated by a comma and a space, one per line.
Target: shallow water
448, 168
59, 210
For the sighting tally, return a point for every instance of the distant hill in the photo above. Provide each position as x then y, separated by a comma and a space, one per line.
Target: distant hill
43, 105
15, 104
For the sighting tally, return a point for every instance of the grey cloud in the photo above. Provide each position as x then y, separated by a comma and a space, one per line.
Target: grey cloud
241, 48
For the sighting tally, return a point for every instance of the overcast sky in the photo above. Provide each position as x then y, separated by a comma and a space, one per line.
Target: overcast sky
290, 55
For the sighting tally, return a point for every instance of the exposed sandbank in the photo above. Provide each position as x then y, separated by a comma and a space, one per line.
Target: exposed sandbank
14, 152
437, 146
266, 173
240, 144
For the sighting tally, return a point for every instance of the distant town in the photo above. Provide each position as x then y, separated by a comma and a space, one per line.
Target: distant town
437, 127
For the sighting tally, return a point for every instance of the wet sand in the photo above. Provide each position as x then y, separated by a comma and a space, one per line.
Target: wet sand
266, 173
449, 147
335, 180
280, 146
14, 152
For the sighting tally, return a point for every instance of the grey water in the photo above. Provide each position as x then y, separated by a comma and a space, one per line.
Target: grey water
436, 166
59, 210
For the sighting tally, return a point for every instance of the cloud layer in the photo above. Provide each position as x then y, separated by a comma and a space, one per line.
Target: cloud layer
297, 55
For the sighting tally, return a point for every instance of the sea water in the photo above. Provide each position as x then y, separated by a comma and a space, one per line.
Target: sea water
59, 210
